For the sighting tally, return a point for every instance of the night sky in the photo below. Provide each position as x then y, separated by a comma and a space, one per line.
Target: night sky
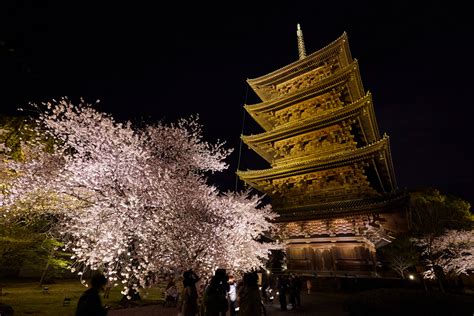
150, 63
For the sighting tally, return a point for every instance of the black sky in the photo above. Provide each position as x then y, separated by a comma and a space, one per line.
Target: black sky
151, 63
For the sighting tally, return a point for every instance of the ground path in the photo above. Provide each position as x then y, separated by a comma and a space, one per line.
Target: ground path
318, 303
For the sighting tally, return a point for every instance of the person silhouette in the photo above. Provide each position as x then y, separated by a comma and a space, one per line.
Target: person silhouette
282, 285
295, 289
89, 303
232, 296
171, 294
215, 295
188, 305
248, 297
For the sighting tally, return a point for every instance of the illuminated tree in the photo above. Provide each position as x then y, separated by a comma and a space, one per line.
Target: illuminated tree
401, 255
134, 202
431, 213
453, 252
25, 241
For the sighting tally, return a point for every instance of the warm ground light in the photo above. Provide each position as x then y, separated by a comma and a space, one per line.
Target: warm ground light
29, 298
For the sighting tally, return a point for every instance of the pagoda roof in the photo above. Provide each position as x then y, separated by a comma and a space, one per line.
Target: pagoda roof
384, 203
325, 85
368, 125
338, 47
384, 165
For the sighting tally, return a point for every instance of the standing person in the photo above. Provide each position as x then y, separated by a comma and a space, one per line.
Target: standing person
188, 305
297, 290
282, 289
292, 288
201, 292
232, 295
171, 294
107, 288
89, 303
309, 285
265, 298
248, 297
215, 296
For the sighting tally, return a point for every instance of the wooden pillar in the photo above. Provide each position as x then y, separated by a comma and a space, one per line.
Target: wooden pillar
333, 256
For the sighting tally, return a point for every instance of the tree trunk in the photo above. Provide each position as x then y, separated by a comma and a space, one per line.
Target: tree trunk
439, 273
424, 284
441, 286
51, 254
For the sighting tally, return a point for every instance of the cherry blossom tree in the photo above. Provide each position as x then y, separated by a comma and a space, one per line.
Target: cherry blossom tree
453, 252
431, 214
135, 202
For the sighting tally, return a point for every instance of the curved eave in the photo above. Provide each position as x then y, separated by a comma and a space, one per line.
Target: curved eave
298, 127
315, 163
265, 154
389, 166
314, 90
286, 72
353, 110
370, 122
388, 203
261, 120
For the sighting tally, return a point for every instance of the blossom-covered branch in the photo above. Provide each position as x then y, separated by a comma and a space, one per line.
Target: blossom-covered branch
453, 252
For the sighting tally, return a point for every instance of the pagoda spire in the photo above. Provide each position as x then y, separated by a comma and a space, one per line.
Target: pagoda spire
301, 48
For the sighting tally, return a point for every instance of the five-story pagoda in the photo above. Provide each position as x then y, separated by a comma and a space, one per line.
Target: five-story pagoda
331, 177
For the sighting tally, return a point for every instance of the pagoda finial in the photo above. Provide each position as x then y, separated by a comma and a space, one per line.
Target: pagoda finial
301, 48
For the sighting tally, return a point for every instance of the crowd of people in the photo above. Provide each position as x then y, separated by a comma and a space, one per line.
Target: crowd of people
219, 296
289, 287
222, 295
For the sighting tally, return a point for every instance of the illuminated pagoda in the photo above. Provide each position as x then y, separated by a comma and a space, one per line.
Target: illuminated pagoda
331, 177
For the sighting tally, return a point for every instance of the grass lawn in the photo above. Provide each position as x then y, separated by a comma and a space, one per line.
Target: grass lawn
27, 298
